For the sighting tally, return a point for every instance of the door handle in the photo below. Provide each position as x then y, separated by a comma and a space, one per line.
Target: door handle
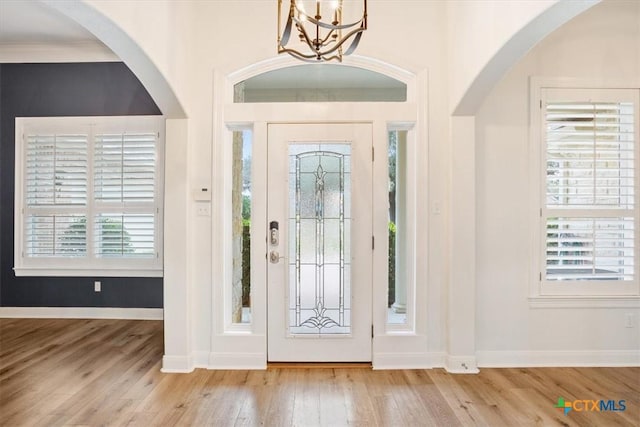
274, 257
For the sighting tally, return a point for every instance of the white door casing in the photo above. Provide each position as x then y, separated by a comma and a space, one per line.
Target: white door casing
244, 346
319, 274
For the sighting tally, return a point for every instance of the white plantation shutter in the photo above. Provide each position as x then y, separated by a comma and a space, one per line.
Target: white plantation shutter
590, 248
91, 195
590, 158
590, 155
125, 176
125, 235
56, 194
125, 166
56, 235
56, 170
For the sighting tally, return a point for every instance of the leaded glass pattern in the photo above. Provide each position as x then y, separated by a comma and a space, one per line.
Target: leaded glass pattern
320, 233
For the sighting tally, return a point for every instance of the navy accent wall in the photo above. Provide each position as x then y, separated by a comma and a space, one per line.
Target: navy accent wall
47, 90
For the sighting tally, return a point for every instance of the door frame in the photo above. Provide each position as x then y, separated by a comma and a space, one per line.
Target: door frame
244, 346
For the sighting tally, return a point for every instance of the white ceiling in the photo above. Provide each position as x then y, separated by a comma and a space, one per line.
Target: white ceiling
29, 21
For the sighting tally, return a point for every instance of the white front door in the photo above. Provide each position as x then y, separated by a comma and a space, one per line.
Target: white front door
319, 274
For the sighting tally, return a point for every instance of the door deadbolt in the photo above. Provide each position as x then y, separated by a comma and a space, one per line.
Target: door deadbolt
273, 233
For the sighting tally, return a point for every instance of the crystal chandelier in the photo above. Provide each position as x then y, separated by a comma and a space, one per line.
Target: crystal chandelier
318, 39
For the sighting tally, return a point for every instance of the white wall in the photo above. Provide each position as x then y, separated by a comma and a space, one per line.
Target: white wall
477, 31
602, 44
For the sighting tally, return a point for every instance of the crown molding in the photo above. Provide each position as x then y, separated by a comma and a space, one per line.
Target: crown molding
85, 51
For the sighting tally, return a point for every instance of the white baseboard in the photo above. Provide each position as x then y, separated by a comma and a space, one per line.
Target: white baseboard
237, 361
408, 360
82, 313
531, 359
177, 364
201, 359
461, 365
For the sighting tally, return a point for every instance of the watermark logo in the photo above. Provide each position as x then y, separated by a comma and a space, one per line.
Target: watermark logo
591, 405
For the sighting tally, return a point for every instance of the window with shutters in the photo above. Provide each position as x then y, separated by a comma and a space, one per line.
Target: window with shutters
89, 196
588, 210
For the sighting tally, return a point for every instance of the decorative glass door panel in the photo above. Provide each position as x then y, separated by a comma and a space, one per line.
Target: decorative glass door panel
319, 221
319, 279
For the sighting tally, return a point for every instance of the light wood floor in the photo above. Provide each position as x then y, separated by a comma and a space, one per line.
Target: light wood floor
107, 372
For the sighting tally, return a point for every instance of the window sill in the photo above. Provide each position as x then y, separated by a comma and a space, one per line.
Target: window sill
88, 272
584, 301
